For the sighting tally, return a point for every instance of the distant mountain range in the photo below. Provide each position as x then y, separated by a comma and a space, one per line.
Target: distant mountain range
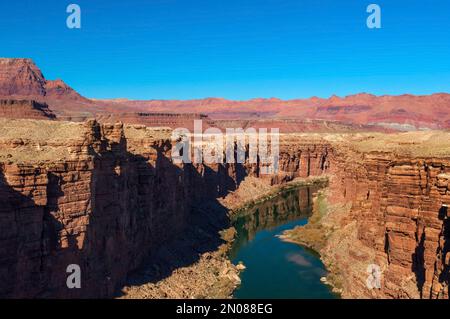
22, 79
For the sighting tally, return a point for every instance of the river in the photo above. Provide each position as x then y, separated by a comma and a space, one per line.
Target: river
277, 269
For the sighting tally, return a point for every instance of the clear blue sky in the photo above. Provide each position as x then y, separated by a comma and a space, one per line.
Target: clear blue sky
239, 49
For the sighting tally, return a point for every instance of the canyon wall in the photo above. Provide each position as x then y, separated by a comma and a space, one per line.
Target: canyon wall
104, 209
97, 209
391, 211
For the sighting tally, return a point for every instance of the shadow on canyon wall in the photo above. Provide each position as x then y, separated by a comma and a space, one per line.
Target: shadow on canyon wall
419, 263
444, 277
206, 217
10, 243
153, 219
32, 261
418, 257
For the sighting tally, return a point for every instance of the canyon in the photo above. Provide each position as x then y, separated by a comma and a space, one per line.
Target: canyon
108, 198
92, 182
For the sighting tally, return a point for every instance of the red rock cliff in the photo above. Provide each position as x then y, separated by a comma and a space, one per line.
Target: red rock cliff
399, 220
102, 207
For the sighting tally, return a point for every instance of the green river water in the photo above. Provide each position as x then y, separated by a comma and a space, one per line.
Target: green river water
276, 269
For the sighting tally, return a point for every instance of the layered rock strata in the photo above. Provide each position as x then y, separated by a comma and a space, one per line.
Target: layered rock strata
399, 207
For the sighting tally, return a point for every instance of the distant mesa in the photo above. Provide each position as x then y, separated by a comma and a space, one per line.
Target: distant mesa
26, 109
21, 79
172, 120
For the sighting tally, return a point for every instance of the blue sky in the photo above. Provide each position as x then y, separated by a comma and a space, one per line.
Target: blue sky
237, 49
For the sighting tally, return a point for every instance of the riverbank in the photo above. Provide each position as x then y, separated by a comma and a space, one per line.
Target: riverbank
254, 191
315, 234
